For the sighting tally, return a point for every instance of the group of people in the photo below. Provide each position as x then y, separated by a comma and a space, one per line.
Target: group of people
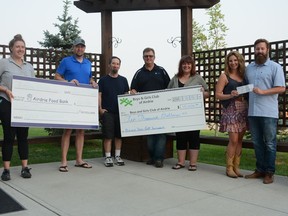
259, 108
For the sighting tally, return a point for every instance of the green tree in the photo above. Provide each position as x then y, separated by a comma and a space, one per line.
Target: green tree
68, 31
199, 38
217, 29
214, 36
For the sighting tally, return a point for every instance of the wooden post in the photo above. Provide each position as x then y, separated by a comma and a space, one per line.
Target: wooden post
186, 31
106, 28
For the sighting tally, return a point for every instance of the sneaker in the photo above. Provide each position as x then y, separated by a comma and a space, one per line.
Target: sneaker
25, 172
108, 162
150, 162
118, 161
159, 164
5, 175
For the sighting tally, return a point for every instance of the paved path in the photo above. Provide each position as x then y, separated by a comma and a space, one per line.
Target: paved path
141, 190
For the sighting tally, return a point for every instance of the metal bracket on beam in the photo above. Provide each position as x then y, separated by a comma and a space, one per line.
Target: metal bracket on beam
174, 40
115, 41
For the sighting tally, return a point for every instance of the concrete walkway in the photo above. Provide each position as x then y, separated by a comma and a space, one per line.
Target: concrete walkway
141, 190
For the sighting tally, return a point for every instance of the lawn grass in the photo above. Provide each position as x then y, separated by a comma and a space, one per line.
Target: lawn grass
33, 132
51, 152
37, 132
213, 154
209, 154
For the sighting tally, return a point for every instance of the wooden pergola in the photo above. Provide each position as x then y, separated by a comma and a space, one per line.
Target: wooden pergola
106, 7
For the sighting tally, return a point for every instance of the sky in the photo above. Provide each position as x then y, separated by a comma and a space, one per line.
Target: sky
247, 20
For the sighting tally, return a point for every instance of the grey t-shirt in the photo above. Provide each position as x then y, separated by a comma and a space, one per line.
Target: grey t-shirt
194, 80
8, 68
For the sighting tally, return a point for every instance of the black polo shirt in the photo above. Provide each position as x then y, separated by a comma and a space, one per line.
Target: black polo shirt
145, 80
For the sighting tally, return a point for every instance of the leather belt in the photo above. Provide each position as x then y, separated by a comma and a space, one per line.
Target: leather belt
241, 98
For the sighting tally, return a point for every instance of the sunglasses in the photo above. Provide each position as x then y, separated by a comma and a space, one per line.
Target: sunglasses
148, 56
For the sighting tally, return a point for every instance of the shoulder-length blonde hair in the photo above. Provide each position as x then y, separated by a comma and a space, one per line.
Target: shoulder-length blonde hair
241, 63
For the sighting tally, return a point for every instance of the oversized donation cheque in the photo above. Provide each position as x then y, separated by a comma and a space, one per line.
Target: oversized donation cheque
53, 104
164, 111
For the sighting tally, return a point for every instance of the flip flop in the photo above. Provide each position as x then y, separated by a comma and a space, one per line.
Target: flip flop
63, 169
192, 167
178, 166
84, 165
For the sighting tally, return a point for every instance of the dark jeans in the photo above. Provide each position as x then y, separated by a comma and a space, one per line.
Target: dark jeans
10, 133
156, 146
264, 131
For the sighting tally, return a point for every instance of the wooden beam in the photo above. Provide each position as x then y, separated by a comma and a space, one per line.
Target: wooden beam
106, 32
186, 31
92, 6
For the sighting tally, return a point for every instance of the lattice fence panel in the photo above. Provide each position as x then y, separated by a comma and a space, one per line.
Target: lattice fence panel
210, 64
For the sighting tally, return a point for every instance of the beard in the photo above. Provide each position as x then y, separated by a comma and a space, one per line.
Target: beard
114, 71
79, 55
261, 58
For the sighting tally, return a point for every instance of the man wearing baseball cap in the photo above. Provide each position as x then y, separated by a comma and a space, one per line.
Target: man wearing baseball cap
75, 69
79, 41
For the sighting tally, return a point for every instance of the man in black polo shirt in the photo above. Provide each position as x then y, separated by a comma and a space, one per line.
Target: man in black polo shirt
152, 77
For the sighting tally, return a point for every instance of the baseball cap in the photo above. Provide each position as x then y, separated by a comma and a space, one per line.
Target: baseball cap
79, 41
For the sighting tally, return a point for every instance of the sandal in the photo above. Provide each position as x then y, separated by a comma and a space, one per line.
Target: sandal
84, 165
192, 167
63, 169
178, 166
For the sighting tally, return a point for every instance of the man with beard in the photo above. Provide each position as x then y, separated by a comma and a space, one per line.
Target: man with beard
75, 69
110, 86
268, 79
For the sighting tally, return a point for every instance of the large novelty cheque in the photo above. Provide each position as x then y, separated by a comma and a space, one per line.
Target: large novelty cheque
164, 111
53, 104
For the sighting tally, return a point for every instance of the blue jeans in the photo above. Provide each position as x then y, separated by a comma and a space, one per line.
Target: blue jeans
263, 131
156, 144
